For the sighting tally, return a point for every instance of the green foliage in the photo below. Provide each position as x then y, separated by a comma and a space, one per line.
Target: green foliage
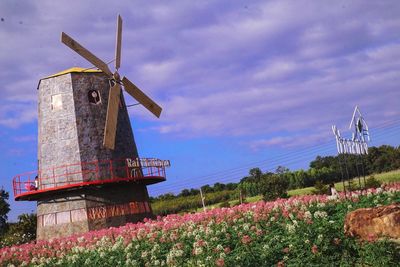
181, 204
351, 185
274, 186
224, 204
383, 159
320, 188
4, 209
372, 182
324, 169
249, 189
21, 232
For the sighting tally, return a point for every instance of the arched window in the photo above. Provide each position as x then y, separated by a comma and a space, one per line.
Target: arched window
94, 97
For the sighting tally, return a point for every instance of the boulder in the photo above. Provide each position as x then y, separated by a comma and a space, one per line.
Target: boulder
372, 223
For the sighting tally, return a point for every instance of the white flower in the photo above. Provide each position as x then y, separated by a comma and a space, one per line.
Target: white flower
144, 254
290, 228
333, 197
307, 215
198, 251
320, 214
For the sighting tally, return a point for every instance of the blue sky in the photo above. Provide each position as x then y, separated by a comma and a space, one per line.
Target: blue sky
242, 83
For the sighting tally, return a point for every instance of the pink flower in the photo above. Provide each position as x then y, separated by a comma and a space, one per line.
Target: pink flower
220, 262
285, 250
371, 238
280, 264
246, 239
314, 249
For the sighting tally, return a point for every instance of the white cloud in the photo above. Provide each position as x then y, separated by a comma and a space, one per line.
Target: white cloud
217, 68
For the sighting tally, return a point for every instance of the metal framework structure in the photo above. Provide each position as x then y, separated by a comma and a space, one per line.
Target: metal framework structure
357, 145
36, 184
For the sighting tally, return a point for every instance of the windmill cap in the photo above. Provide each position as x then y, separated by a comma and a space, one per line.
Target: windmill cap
71, 70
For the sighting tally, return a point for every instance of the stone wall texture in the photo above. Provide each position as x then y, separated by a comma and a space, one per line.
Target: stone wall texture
71, 131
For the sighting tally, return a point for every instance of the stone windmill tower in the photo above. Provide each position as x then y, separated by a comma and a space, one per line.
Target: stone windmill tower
90, 176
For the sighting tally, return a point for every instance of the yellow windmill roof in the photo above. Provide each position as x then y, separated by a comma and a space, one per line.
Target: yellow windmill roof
71, 70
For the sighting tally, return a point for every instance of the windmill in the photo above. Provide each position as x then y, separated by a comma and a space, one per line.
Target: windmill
115, 91
89, 175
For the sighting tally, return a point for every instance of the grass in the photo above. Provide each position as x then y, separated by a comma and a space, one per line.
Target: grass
386, 177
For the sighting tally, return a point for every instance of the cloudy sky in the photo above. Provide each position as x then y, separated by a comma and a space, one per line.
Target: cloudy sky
242, 83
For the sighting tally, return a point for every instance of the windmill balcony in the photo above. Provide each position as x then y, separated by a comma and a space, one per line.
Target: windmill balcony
36, 185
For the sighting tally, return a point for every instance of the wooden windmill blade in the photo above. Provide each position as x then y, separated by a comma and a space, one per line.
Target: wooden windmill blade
141, 97
110, 128
78, 48
118, 43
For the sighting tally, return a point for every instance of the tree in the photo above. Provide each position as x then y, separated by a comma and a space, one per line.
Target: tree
219, 187
4, 209
255, 173
21, 232
273, 187
231, 186
320, 188
194, 192
185, 193
281, 170
207, 188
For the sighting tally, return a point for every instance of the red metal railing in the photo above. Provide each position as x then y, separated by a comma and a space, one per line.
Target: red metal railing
84, 173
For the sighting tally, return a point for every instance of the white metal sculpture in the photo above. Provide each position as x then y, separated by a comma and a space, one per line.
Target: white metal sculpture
360, 126
358, 144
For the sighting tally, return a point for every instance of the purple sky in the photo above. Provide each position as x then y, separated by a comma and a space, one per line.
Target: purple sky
240, 82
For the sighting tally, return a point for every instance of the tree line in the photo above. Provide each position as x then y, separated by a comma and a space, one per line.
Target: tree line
323, 169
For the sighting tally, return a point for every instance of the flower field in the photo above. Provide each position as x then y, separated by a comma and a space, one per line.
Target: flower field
299, 231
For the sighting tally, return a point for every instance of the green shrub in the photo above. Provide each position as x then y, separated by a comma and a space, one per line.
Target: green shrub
320, 188
224, 204
273, 187
372, 182
179, 204
20, 232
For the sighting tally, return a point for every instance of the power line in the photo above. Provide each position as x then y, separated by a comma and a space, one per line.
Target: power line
281, 160
228, 177
276, 161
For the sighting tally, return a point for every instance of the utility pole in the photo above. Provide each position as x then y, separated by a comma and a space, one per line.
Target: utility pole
202, 199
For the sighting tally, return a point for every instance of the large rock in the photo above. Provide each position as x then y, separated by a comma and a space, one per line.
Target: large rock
373, 223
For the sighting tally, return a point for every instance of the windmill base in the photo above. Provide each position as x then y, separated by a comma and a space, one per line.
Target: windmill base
91, 209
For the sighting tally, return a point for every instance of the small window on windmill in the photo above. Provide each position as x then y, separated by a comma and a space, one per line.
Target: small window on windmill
56, 102
94, 97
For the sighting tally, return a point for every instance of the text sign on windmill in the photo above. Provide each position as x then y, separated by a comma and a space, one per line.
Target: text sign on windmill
358, 144
114, 95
